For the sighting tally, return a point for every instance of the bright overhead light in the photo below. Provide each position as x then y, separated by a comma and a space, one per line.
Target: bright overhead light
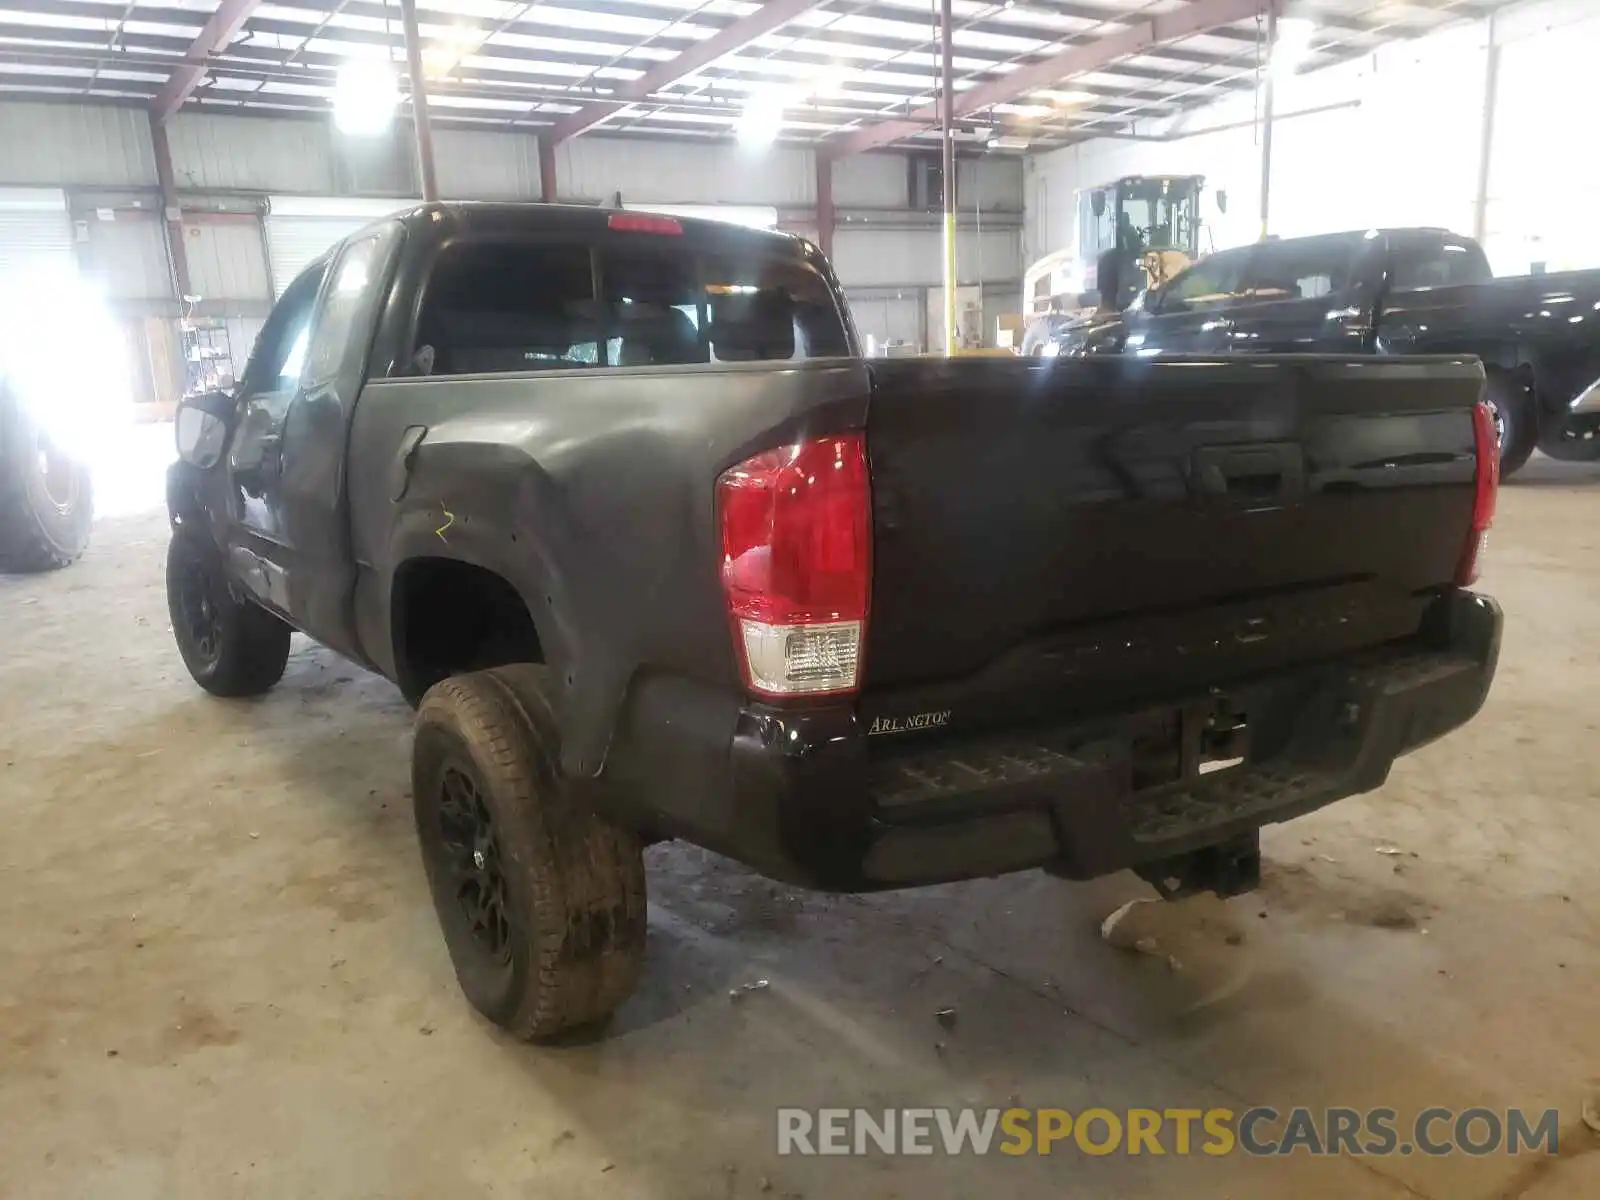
1292, 46
762, 118
1065, 99
1008, 142
365, 95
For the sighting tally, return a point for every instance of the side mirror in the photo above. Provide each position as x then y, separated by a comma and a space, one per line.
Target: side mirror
1222, 200
202, 427
1097, 203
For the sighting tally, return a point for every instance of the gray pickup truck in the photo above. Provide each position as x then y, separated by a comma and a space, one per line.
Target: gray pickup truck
615, 502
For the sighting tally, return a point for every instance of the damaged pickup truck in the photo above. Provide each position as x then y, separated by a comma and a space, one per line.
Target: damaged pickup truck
615, 502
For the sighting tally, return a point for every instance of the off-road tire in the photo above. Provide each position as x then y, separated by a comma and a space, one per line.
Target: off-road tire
45, 511
565, 945
1513, 403
233, 647
1554, 443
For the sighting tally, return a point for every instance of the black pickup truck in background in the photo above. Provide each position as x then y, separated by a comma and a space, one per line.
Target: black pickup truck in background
615, 501
1387, 291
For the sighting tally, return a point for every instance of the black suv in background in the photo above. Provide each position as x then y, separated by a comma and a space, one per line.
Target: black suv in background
1387, 291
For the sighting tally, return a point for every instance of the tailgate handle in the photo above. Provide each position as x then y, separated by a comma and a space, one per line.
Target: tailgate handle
1261, 473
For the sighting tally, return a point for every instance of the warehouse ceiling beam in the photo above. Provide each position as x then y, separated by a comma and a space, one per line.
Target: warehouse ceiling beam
770, 16
1196, 17
214, 35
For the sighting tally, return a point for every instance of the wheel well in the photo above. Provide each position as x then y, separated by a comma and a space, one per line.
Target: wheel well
450, 617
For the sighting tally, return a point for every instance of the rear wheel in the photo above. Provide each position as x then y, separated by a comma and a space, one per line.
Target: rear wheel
231, 646
542, 903
46, 501
1516, 421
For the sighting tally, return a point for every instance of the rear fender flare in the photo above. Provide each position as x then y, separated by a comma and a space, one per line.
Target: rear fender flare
509, 523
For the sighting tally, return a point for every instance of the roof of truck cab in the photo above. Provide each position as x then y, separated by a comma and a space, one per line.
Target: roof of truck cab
489, 216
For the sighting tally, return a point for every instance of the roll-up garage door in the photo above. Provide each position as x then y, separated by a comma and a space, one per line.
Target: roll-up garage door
299, 228
35, 231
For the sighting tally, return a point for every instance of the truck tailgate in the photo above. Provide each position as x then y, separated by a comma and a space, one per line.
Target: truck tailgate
1065, 534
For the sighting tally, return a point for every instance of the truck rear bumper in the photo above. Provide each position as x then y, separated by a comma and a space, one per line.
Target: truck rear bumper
805, 796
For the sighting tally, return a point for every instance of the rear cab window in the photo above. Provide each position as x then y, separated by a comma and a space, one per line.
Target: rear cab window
499, 303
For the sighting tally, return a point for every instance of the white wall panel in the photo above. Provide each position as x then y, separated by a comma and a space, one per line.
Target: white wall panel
1404, 148
1544, 173
227, 259
128, 255
667, 173
481, 165
886, 317
260, 154
867, 258
89, 144
870, 181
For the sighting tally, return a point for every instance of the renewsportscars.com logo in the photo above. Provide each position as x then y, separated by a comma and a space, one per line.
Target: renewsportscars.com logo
1258, 1131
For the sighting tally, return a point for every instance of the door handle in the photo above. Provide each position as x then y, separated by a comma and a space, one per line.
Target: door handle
1217, 324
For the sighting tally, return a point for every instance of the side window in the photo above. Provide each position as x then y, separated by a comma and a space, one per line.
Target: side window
1211, 283
1416, 263
280, 352
342, 304
1303, 269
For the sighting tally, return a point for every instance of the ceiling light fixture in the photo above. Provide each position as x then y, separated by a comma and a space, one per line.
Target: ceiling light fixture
762, 119
1292, 46
365, 95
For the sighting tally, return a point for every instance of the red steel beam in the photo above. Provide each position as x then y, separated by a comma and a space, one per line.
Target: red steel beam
214, 35
1198, 16
733, 37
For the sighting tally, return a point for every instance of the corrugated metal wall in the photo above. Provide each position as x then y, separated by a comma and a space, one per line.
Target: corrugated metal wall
481, 165
226, 261
870, 181
93, 145
881, 258
595, 167
255, 154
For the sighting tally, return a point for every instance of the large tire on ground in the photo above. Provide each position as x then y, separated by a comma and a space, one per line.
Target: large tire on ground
1558, 445
232, 646
46, 500
1516, 419
541, 901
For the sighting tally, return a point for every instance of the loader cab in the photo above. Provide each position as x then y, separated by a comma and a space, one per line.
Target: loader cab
1142, 229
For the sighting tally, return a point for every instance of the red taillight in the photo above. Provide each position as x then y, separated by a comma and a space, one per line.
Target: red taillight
626, 222
796, 526
1486, 486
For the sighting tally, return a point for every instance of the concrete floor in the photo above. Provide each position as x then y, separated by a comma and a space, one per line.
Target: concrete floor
220, 973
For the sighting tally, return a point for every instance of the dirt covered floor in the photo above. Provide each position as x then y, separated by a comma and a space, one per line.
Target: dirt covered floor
220, 974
